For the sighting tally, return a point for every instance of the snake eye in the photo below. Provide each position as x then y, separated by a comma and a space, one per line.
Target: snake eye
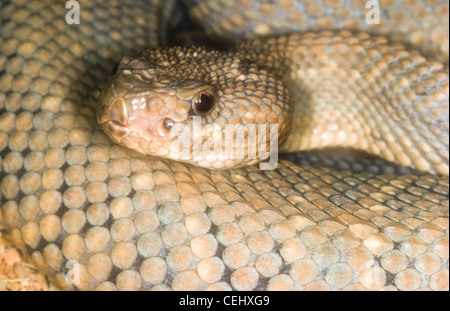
203, 103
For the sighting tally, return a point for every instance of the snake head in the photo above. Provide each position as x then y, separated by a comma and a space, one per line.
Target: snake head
207, 108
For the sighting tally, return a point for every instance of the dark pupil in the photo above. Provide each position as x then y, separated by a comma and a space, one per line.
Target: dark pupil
204, 104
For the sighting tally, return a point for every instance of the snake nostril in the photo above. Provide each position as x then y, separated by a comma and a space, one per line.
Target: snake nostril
168, 123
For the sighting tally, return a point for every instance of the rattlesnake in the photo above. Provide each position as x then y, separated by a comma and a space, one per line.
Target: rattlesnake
131, 221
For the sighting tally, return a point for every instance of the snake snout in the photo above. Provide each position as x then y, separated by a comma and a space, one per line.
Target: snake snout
137, 119
114, 119
117, 112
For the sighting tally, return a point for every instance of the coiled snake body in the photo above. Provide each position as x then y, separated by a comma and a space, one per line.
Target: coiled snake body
127, 220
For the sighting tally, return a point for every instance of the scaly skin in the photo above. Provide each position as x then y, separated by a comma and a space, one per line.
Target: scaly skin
138, 222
